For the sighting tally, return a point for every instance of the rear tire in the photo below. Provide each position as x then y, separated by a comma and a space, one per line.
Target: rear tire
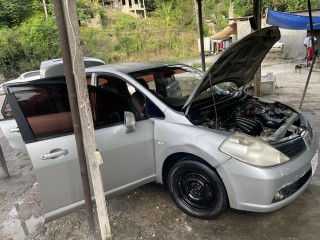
197, 190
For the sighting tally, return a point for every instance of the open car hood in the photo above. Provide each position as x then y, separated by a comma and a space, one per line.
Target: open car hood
239, 62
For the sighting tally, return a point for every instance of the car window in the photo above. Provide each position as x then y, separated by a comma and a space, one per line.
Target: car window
46, 108
108, 105
6, 110
171, 84
144, 107
219, 90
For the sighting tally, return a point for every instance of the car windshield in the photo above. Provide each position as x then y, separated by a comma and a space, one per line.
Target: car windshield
221, 89
174, 84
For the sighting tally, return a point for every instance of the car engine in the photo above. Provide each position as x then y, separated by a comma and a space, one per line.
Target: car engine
267, 120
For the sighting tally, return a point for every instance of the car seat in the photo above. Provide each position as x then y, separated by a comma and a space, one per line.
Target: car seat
138, 99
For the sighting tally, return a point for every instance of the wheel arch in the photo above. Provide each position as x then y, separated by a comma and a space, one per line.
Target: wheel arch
179, 156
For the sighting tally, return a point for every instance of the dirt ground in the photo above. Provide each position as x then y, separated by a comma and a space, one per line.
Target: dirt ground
149, 213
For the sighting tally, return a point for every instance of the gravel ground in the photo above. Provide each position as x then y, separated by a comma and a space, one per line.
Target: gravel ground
149, 213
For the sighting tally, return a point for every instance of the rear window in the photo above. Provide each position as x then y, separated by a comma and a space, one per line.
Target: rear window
46, 108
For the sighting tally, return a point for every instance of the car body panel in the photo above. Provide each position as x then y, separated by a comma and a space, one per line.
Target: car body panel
122, 159
11, 131
59, 179
54, 67
59, 176
188, 139
252, 188
239, 62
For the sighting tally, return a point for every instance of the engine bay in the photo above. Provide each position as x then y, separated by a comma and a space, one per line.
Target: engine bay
267, 120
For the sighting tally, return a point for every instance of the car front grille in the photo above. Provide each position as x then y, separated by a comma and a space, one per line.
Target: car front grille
291, 147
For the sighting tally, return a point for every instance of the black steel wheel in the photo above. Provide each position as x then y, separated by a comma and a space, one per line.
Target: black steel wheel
197, 190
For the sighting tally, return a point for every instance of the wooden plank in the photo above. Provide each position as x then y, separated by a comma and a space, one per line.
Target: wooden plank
93, 155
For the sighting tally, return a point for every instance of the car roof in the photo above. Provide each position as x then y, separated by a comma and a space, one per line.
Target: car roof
121, 67
54, 67
131, 67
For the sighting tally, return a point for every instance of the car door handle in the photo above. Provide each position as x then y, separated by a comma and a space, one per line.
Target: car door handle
13, 130
54, 154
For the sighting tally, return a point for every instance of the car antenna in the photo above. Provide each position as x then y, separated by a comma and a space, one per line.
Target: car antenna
215, 107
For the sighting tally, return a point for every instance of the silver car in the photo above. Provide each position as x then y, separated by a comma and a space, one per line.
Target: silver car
199, 134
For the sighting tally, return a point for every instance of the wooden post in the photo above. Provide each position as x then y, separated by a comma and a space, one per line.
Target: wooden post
73, 101
93, 155
83, 111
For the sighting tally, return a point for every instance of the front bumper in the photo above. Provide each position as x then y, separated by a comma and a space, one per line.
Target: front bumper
252, 188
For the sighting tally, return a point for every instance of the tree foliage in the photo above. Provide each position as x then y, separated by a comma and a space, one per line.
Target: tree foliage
217, 11
245, 7
13, 12
23, 48
168, 13
171, 32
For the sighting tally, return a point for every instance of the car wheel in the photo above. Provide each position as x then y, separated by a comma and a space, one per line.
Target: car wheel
197, 190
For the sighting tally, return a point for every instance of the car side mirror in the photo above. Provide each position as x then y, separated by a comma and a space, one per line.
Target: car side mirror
129, 122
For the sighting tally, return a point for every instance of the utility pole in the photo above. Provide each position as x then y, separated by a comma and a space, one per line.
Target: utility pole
257, 20
69, 34
203, 61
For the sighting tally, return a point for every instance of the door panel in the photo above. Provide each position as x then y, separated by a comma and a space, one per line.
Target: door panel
45, 118
59, 179
128, 157
11, 132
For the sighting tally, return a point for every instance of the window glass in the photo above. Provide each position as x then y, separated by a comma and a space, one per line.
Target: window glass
6, 110
143, 105
108, 105
46, 108
172, 84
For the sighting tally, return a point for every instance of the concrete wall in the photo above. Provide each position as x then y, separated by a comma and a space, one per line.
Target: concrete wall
293, 39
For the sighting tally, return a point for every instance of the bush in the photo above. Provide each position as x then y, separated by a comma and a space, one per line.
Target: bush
23, 48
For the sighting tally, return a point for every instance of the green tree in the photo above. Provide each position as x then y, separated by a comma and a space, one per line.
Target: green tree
13, 12
187, 13
217, 11
128, 32
168, 13
245, 7
23, 48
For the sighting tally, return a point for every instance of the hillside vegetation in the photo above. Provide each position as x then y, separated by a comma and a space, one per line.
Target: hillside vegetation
28, 36
28, 39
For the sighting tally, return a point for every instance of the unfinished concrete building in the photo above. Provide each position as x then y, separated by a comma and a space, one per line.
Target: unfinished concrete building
137, 7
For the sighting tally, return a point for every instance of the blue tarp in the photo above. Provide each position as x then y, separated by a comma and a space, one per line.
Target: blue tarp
291, 21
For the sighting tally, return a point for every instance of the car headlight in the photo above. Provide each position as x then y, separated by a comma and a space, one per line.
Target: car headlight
252, 151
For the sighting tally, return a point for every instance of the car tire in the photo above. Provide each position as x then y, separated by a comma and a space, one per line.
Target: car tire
197, 190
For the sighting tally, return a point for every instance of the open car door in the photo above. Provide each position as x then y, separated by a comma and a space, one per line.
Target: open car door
41, 109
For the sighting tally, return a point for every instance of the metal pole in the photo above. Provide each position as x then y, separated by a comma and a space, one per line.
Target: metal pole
313, 57
67, 63
257, 19
3, 163
201, 35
